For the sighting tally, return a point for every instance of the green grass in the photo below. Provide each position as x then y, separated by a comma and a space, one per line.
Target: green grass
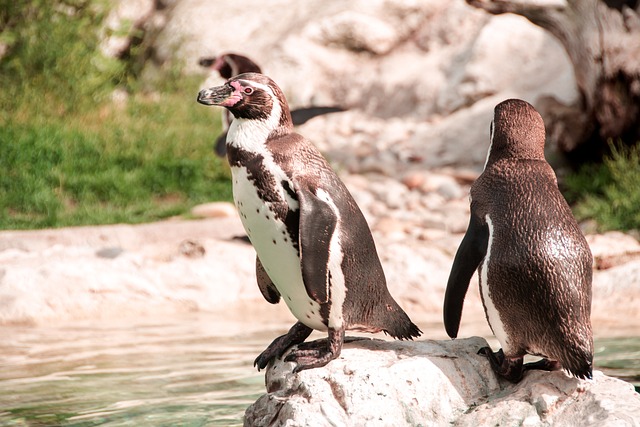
608, 193
69, 155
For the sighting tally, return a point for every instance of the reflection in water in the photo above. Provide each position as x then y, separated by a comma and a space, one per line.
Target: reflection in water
182, 372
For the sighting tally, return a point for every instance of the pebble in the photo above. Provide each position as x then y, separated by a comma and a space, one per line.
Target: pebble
214, 210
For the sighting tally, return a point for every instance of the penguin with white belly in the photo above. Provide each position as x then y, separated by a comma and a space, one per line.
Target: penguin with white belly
314, 247
534, 264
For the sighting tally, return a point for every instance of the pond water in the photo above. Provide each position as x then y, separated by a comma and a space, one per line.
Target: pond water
179, 372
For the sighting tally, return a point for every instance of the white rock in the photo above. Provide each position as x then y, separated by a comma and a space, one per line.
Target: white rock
432, 383
357, 32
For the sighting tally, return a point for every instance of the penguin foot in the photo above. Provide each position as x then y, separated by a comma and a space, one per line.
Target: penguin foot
510, 369
317, 353
543, 365
297, 334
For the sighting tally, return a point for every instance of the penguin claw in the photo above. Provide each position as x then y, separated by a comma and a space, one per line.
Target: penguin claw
308, 359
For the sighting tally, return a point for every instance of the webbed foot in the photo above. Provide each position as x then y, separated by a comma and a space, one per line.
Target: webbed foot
297, 334
543, 365
317, 353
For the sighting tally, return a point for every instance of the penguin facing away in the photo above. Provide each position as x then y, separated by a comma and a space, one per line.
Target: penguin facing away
314, 247
534, 265
231, 64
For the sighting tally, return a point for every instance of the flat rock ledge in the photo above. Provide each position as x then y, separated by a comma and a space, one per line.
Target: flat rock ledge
434, 383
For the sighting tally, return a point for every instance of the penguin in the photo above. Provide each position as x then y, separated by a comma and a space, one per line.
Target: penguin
231, 64
314, 248
534, 264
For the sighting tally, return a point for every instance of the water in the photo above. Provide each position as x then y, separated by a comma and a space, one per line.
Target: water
180, 372
164, 374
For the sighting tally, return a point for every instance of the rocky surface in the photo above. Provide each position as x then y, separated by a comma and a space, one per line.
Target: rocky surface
433, 383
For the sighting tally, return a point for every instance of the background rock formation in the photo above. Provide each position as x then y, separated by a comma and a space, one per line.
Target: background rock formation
602, 40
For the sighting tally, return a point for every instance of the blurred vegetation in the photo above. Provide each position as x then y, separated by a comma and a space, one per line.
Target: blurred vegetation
70, 154
608, 193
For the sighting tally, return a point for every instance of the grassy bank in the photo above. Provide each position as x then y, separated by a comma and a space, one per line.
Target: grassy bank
69, 154
608, 193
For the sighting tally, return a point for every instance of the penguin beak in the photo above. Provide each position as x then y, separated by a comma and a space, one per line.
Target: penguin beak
219, 95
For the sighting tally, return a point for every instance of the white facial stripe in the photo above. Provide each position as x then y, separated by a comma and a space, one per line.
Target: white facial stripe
338, 288
492, 313
490, 145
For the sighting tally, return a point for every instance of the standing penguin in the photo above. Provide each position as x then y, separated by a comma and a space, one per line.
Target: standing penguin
534, 265
314, 248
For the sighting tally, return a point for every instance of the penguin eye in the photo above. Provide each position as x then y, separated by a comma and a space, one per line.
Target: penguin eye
248, 90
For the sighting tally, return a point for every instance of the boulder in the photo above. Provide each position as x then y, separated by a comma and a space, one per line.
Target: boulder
433, 383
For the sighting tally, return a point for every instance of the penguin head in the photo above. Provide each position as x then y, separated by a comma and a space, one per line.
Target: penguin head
230, 64
517, 131
250, 96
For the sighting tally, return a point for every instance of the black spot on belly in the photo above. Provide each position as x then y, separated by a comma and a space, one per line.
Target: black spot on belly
274, 241
289, 298
257, 210
267, 189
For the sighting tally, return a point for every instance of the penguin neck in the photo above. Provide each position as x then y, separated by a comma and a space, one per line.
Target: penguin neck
511, 153
252, 134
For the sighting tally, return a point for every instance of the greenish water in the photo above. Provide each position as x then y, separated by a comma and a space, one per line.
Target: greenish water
180, 372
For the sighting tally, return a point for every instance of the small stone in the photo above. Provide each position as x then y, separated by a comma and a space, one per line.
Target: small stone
413, 180
192, 249
214, 210
110, 253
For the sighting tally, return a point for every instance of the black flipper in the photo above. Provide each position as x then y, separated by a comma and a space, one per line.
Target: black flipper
317, 225
300, 116
268, 289
470, 253
220, 147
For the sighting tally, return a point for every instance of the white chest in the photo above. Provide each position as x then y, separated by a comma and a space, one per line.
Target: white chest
272, 242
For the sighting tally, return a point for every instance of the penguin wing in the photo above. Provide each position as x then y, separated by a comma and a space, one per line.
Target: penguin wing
300, 116
268, 289
317, 224
469, 256
220, 146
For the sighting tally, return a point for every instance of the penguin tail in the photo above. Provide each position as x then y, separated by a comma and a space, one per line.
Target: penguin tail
582, 371
579, 363
398, 325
